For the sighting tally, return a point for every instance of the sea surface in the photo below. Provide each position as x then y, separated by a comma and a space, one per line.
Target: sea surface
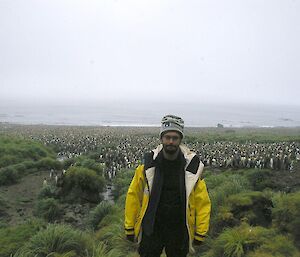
131, 114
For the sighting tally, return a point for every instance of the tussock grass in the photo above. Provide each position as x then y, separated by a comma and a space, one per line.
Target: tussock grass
222, 186
19, 157
13, 238
82, 184
98, 213
48, 209
286, 214
55, 239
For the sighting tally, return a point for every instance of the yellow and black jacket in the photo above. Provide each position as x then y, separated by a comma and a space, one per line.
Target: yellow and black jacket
197, 202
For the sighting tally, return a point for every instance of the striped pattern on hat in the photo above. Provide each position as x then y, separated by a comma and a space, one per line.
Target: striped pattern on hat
171, 123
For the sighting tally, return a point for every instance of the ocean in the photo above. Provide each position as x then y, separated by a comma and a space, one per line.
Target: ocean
131, 114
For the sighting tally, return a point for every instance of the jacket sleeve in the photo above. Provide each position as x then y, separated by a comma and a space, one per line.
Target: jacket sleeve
203, 208
134, 199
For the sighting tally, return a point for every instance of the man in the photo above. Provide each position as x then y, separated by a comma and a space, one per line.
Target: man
167, 204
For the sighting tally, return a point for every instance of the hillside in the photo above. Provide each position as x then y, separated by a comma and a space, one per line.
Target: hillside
255, 207
21, 197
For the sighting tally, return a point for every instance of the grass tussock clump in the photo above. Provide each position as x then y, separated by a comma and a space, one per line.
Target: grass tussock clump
19, 157
48, 209
245, 240
48, 163
64, 241
220, 188
82, 184
279, 246
12, 173
253, 206
286, 214
55, 239
90, 164
48, 191
101, 250
112, 234
15, 150
14, 237
259, 179
98, 213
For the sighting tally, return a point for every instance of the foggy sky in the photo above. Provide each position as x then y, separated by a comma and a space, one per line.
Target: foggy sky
150, 51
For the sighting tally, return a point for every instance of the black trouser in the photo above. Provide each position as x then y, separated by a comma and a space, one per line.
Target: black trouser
172, 237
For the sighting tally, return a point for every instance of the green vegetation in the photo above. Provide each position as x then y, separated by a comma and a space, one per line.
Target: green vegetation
286, 215
48, 163
63, 241
246, 240
48, 209
99, 212
54, 239
48, 191
244, 222
220, 188
253, 213
19, 157
82, 184
122, 182
91, 164
13, 150
111, 231
253, 224
253, 206
14, 237
260, 179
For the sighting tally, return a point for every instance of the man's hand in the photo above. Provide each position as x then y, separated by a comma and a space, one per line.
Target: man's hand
130, 238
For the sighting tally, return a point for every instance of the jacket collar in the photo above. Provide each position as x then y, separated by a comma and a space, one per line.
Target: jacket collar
187, 153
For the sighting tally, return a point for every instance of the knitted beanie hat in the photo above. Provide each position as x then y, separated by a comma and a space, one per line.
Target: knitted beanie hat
171, 123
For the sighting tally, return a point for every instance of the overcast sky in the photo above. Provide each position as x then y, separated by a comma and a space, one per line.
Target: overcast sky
150, 50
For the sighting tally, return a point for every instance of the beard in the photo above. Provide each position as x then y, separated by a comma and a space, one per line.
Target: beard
170, 149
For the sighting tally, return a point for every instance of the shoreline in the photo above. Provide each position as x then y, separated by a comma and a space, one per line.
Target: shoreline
144, 126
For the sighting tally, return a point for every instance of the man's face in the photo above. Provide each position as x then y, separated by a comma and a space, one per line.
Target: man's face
171, 141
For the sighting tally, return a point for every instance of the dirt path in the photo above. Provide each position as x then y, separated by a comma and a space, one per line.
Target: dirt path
20, 198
